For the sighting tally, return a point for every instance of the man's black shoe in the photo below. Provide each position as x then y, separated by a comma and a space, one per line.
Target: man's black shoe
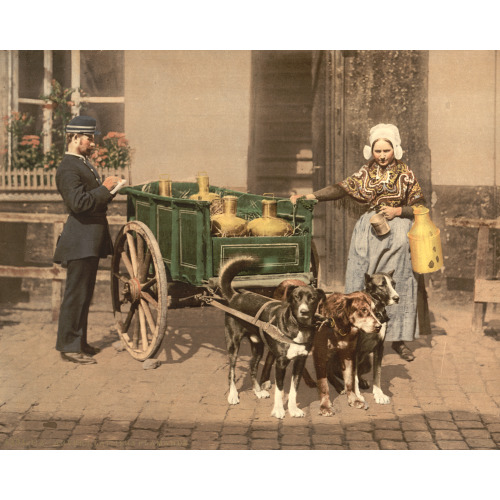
78, 357
91, 350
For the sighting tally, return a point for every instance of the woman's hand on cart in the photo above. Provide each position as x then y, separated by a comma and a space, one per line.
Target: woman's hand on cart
295, 197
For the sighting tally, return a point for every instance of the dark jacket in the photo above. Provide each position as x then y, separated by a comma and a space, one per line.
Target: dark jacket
86, 231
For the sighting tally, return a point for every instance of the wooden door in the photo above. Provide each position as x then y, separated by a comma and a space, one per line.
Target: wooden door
280, 156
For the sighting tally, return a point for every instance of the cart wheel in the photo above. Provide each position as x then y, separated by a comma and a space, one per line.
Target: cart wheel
139, 290
315, 264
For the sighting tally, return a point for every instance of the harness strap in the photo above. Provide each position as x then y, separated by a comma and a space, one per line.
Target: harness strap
331, 323
270, 329
256, 320
328, 321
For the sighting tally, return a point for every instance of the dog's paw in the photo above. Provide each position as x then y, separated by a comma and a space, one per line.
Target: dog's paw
296, 412
363, 384
262, 394
357, 403
381, 398
326, 412
360, 397
266, 385
278, 413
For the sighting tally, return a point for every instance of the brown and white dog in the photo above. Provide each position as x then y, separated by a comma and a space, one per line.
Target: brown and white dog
346, 316
381, 288
294, 318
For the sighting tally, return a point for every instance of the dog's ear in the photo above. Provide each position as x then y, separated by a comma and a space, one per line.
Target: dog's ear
391, 273
341, 312
321, 295
288, 292
384, 317
367, 278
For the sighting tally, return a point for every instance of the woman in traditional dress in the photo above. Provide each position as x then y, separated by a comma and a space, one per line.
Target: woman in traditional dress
387, 186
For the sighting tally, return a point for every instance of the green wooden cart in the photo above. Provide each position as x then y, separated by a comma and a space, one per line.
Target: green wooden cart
165, 254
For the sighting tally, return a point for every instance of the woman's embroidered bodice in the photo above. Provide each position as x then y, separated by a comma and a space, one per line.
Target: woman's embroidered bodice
395, 186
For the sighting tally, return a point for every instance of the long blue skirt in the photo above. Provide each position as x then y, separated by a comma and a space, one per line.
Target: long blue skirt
370, 253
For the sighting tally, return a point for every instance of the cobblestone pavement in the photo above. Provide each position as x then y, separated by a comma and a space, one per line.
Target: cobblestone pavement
447, 399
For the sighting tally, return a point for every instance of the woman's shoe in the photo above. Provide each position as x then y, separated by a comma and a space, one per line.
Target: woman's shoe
89, 349
401, 348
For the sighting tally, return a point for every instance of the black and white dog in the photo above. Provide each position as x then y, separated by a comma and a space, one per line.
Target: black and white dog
380, 286
293, 318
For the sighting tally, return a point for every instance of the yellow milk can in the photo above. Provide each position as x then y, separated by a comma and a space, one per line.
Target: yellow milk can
425, 243
269, 224
165, 185
228, 224
204, 193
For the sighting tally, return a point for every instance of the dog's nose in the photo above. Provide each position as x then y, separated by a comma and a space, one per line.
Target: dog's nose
396, 299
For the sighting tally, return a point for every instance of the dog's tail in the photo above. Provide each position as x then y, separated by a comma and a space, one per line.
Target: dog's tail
230, 269
308, 379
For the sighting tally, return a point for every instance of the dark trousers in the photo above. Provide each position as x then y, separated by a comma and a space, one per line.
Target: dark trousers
80, 284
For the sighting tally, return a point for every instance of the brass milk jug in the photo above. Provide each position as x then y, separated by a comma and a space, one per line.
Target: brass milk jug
165, 186
204, 194
425, 243
269, 224
228, 224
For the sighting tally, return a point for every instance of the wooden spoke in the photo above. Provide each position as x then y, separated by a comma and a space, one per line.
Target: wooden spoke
148, 285
124, 336
141, 269
130, 315
121, 277
148, 298
135, 334
127, 340
140, 248
147, 263
142, 322
127, 263
149, 316
133, 253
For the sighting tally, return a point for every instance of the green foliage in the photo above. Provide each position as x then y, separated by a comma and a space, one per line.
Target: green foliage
28, 152
115, 153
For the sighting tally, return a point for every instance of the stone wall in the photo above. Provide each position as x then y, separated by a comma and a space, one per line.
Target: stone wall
25, 244
459, 244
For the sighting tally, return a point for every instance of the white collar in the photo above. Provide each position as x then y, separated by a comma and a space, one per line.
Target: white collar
77, 155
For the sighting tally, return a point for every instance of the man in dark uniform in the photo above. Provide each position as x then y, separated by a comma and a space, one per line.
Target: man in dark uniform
85, 237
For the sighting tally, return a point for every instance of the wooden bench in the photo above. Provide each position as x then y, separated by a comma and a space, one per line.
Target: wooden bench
486, 288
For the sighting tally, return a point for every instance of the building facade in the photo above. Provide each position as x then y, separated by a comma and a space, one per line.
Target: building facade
281, 122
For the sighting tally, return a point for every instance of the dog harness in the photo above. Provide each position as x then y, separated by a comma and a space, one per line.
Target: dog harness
330, 322
265, 327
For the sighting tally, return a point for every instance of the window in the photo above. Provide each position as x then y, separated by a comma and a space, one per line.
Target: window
99, 75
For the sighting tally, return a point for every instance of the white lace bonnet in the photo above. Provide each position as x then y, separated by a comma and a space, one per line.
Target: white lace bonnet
384, 131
